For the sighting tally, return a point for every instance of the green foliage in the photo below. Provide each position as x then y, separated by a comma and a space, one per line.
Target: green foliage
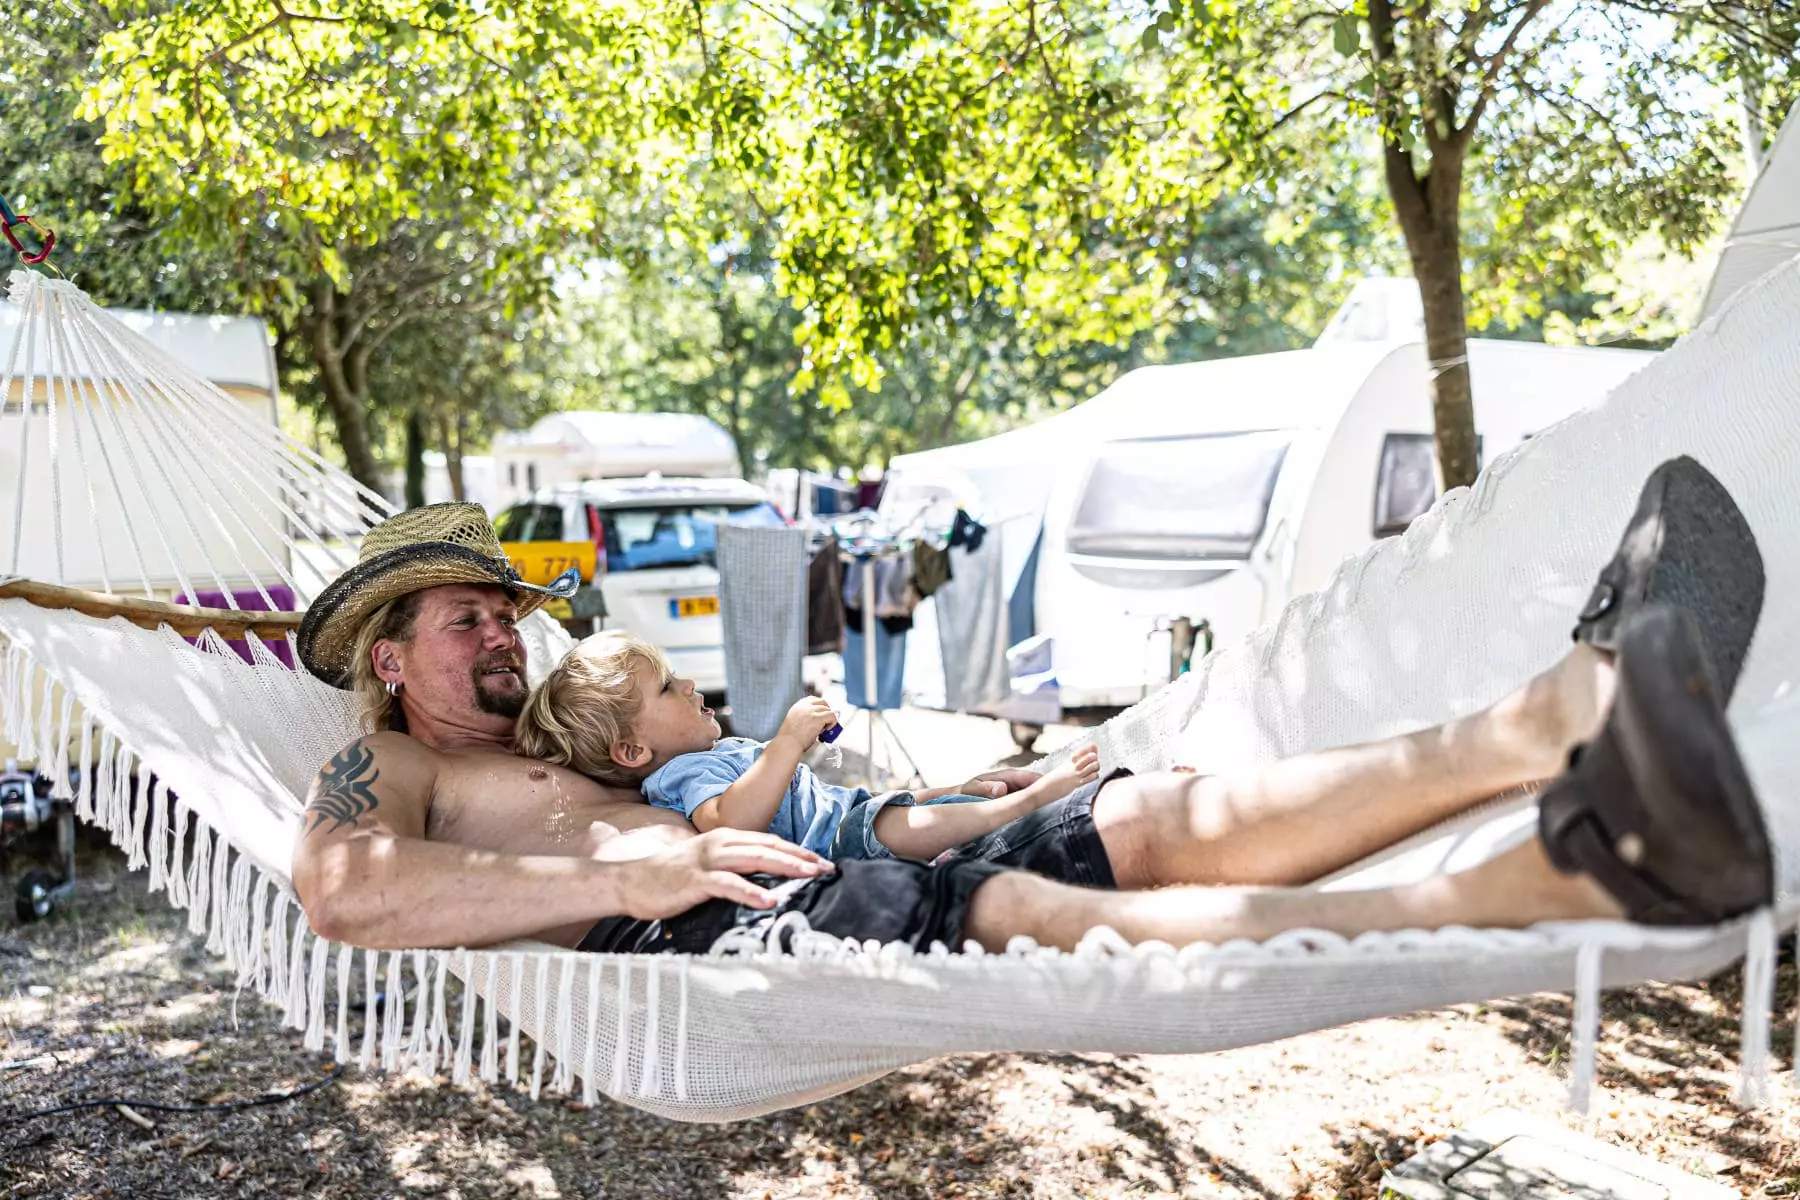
848, 228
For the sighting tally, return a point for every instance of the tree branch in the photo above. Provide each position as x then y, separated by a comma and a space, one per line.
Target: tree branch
1492, 70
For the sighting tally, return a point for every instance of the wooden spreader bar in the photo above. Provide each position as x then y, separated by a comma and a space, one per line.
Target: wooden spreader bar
187, 620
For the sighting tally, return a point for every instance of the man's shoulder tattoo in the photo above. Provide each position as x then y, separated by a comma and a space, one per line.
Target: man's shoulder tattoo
344, 792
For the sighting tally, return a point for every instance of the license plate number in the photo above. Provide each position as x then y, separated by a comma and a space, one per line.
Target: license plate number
693, 606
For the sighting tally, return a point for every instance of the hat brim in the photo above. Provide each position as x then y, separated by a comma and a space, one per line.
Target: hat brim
328, 631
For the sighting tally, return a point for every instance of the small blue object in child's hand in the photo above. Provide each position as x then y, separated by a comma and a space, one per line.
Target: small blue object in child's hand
831, 735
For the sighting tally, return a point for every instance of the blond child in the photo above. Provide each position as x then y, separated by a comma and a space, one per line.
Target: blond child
615, 711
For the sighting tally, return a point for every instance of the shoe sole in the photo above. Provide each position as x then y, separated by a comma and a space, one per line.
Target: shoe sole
1687, 545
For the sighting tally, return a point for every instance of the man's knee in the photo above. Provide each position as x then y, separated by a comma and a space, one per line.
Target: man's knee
1004, 906
1155, 827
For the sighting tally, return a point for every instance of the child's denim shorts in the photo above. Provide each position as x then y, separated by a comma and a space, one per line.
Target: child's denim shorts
856, 832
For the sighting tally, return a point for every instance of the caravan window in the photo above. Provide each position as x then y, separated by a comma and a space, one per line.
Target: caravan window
1179, 498
1406, 486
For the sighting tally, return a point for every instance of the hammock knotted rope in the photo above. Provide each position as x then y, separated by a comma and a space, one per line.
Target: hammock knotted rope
133, 474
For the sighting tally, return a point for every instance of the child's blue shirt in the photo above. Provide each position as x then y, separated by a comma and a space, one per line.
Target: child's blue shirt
810, 812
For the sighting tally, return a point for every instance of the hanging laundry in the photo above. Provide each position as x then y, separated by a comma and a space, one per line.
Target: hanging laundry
966, 532
824, 600
762, 604
894, 596
890, 667
972, 628
931, 569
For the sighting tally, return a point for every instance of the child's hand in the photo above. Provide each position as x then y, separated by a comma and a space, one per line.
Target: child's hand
806, 721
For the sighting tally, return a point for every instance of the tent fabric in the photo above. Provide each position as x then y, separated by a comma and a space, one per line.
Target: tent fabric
1478, 594
1766, 232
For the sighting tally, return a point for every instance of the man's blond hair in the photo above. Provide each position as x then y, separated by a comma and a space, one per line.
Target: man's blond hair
392, 622
586, 706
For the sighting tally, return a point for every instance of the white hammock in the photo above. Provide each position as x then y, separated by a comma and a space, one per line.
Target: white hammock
1478, 594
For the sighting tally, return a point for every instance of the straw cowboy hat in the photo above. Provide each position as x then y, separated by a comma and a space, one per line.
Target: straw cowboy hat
409, 552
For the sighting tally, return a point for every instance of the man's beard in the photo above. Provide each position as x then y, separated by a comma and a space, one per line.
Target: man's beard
508, 703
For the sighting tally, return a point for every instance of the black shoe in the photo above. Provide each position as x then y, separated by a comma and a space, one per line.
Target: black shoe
1687, 545
1658, 808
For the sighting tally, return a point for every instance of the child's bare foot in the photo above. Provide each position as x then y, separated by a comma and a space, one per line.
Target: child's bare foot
1083, 767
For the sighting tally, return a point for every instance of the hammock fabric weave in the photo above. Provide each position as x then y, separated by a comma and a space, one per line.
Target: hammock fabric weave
1476, 596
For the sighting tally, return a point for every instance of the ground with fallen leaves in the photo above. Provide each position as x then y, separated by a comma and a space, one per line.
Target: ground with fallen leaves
112, 997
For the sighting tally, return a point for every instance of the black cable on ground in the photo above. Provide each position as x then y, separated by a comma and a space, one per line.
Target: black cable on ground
152, 1106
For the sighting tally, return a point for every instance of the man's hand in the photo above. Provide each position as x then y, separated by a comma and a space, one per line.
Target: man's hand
804, 722
711, 866
994, 784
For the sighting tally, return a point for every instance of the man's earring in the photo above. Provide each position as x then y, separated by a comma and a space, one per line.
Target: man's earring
393, 687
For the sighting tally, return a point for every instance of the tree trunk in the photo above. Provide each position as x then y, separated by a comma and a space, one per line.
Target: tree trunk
1429, 208
1437, 265
415, 459
343, 397
450, 434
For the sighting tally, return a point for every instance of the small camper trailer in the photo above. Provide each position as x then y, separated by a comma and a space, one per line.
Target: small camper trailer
574, 447
1205, 495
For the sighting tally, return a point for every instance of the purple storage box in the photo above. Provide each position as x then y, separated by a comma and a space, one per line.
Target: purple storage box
251, 600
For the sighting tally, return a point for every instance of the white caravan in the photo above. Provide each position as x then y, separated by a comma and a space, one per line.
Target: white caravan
573, 447
1217, 490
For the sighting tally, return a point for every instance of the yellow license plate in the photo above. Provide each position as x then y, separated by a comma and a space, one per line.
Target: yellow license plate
694, 606
559, 609
542, 562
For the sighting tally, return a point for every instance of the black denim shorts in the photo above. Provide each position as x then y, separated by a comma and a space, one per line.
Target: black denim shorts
1059, 841
889, 900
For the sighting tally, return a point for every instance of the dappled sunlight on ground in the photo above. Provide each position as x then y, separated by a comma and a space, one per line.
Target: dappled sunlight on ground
128, 1004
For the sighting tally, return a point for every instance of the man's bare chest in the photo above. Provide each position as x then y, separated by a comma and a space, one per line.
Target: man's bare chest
521, 807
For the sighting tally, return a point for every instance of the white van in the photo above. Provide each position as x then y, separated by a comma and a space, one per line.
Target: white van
644, 547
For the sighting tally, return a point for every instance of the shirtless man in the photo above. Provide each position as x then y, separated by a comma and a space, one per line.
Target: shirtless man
430, 831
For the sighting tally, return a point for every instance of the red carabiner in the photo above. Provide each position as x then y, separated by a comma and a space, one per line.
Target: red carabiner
47, 238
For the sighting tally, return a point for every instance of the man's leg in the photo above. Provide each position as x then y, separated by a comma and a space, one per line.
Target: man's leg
1514, 890
1656, 820
1297, 820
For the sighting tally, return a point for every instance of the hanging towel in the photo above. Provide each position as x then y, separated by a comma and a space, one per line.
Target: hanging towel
762, 605
972, 629
824, 609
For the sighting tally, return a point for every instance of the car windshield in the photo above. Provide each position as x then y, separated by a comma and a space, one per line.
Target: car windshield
530, 523
1179, 498
671, 535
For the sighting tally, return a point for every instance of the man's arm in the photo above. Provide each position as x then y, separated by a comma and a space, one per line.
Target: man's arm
365, 874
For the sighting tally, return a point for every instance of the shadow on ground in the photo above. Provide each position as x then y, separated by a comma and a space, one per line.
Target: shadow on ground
1677, 1043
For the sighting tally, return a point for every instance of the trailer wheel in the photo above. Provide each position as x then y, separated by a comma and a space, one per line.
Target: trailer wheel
1025, 736
34, 898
